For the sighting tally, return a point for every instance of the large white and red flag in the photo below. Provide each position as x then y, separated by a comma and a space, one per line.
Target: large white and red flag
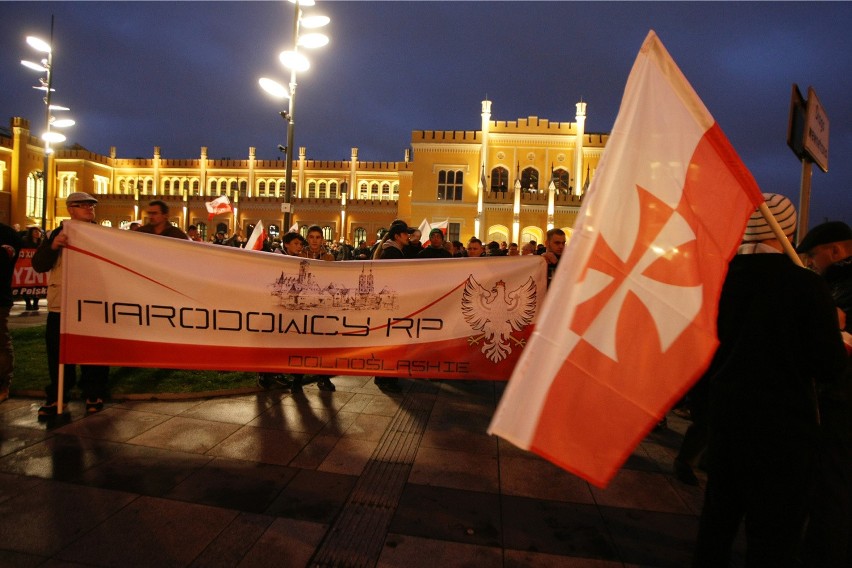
257, 238
218, 206
629, 323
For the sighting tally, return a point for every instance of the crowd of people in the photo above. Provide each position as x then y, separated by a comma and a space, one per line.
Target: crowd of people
772, 415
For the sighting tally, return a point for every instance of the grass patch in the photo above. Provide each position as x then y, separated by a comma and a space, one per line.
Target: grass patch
31, 372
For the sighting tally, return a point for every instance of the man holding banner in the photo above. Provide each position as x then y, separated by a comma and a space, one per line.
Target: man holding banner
48, 257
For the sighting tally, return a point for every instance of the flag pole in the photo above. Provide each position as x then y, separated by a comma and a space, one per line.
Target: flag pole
60, 394
779, 233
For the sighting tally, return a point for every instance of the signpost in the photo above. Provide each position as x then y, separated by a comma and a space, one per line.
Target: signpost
807, 136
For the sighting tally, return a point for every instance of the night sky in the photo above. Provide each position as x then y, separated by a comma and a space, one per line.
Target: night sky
181, 75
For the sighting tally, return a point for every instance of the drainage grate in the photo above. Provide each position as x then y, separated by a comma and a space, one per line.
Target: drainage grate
358, 534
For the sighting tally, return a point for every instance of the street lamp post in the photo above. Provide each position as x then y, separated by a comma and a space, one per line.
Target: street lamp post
49, 136
294, 61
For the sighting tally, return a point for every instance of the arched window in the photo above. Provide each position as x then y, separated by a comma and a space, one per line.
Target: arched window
195, 184
35, 194
396, 191
167, 187
344, 188
500, 179
149, 186
202, 230
360, 235
121, 187
328, 233
386, 191
312, 189
450, 183
332, 189
261, 188
374, 190
562, 180
362, 191
243, 186
529, 179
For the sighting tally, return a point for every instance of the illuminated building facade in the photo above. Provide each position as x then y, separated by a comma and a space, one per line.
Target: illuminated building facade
508, 181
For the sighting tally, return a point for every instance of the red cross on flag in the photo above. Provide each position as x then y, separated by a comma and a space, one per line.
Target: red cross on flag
629, 322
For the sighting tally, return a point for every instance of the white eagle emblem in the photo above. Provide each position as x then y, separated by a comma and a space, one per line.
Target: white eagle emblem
496, 314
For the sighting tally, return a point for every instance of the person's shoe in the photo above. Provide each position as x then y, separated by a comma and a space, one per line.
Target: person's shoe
683, 471
47, 411
325, 384
264, 380
94, 406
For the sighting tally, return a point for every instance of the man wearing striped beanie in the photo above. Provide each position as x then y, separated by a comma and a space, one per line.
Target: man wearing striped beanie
778, 333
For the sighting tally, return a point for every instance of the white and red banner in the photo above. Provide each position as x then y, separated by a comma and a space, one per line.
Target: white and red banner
630, 320
133, 299
218, 206
25, 280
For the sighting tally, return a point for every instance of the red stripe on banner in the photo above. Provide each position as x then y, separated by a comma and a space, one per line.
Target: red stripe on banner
452, 359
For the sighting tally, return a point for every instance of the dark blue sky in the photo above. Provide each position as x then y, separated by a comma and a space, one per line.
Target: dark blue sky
181, 75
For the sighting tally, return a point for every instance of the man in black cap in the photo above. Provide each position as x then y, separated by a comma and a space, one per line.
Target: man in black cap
828, 251
391, 249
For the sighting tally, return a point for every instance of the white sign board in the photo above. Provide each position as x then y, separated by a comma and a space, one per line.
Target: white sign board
816, 131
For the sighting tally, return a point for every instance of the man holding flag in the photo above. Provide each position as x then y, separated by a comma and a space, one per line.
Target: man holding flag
778, 332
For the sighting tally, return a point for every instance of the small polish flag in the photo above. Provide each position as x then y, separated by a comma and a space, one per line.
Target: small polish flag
257, 238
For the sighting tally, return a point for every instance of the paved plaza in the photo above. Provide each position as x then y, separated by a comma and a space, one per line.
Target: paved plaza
355, 477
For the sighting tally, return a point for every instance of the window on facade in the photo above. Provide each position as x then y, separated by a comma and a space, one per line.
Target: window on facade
362, 191
312, 189
360, 235
195, 185
386, 191
202, 230
167, 187
344, 188
529, 179
396, 191
149, 186
186, 185
374, 191
562, 180
332, 189
121, 187
235, 186
243, 186
450, 185
323, 189
35, 196
500, 179
453, 231
261, 188
328, 233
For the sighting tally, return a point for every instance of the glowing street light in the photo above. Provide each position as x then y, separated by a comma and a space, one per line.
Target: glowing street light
295, 62
49, 136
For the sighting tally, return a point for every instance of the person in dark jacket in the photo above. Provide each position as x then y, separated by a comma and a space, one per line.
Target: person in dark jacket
10, 243
391, 249
828, 542
436, 248
778, 335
